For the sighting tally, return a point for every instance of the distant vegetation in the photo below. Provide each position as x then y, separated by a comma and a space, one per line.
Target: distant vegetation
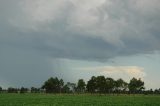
96, 85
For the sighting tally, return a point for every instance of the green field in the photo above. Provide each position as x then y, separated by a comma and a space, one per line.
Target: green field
78, 100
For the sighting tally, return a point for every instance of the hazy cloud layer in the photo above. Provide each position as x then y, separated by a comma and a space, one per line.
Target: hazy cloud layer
126, 72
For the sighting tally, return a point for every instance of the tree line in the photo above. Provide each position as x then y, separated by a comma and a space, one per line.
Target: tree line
95, 85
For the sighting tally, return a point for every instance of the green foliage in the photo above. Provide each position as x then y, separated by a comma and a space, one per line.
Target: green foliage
120, 86
92, 85
98, 84
66, 89
1, 89
101, 84
71, 86
81, 85
110, 84
35, 90
12, 90
136, 85
23, 90
53, 85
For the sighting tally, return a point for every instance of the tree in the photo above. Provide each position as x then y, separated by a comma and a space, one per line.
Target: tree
110, 84
72, 86
81, 85
120, 86
12, 90
101, 84
23, 90
52, 85
1, 89
61, 83
136, 85
66, 89
35, 90
157, 91
91, 85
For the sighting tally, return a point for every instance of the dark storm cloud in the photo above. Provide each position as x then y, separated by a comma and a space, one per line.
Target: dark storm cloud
119, 28
31, 32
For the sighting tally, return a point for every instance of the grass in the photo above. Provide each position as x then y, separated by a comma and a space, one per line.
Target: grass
78, 100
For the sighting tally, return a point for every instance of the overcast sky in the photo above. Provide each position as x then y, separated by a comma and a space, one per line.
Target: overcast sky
74, 39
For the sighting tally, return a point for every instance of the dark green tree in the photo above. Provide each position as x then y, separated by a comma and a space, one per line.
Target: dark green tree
35, 90
91, 85
136, 85
52, 85
120, 86
157, 91
12, 90
81, 85
23, 90
72, 87
66, 89
110, 84
1, 89
61, 83
101, 84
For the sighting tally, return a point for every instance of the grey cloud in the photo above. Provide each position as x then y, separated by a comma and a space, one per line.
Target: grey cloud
121, 28
92, 32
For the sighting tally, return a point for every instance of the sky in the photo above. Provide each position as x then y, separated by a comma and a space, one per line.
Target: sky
74, 39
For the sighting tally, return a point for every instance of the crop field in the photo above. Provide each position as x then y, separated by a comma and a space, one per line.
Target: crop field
78, 100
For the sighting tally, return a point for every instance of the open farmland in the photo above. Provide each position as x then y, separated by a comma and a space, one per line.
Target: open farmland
78, 100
